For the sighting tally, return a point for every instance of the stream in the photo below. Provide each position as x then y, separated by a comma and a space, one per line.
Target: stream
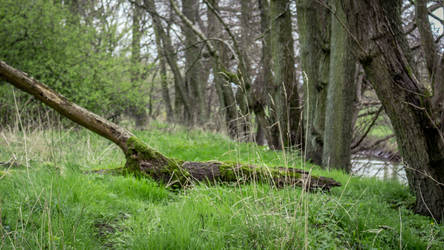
381, 169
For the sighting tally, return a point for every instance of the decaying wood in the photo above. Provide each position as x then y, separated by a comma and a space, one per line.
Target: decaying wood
147, 162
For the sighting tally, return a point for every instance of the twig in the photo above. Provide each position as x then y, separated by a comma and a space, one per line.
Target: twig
375, 118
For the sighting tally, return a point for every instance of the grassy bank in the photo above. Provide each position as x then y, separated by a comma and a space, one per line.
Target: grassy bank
49, 201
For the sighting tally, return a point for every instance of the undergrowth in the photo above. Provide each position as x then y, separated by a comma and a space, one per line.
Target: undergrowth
51, 200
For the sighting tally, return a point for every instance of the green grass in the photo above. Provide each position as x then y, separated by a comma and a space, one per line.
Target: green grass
51, 203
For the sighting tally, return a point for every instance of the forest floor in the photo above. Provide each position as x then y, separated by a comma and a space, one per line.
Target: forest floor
50, 200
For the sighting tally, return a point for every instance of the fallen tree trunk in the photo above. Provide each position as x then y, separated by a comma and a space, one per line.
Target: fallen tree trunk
142, 160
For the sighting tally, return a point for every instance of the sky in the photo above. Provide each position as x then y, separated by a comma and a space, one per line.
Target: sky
439, 26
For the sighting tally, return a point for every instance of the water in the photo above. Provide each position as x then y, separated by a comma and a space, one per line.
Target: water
380, 169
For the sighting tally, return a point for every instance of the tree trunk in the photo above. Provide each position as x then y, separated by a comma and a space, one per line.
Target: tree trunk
182, 100
341, 95
262, 86
314, 42
139, 113
243, 97
224, 89
145, 161
382, 49
285, 105
434, 62
192, 59
163, 81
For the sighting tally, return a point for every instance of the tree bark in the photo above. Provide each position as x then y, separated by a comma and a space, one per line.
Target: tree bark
341, 94
382, 49
145, 161
314, 42
262, 86
163, 81
192, 59
434, 62
285, 108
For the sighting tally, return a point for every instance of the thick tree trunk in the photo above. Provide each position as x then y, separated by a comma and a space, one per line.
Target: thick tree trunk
145, 161
315, 60
341, 95
285, 105
382, 49
262, 86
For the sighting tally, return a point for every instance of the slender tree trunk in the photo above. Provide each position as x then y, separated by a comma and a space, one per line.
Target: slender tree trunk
341, 95
182, 100
426, 37
145, 161
192, 63
315, 65
139, 113
243, 97
204, 75
382, 49
434, 62
163, 80
224, 90
232, 115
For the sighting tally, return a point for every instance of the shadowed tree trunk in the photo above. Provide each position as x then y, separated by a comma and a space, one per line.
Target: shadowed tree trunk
341, 95
261, 84
285, 104
382, 49
314, 30
145, 161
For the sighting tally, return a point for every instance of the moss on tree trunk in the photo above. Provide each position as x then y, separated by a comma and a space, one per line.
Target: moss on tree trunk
142, 160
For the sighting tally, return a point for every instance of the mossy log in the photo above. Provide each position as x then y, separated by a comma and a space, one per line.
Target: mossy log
142, 160
145, 161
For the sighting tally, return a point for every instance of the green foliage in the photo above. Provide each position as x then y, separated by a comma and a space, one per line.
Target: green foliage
76, 58
53, 203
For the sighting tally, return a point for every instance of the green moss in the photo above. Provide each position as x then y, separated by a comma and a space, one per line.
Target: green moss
231, 171
230, 77
170, 172
135, 144
227, 171
161, 168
